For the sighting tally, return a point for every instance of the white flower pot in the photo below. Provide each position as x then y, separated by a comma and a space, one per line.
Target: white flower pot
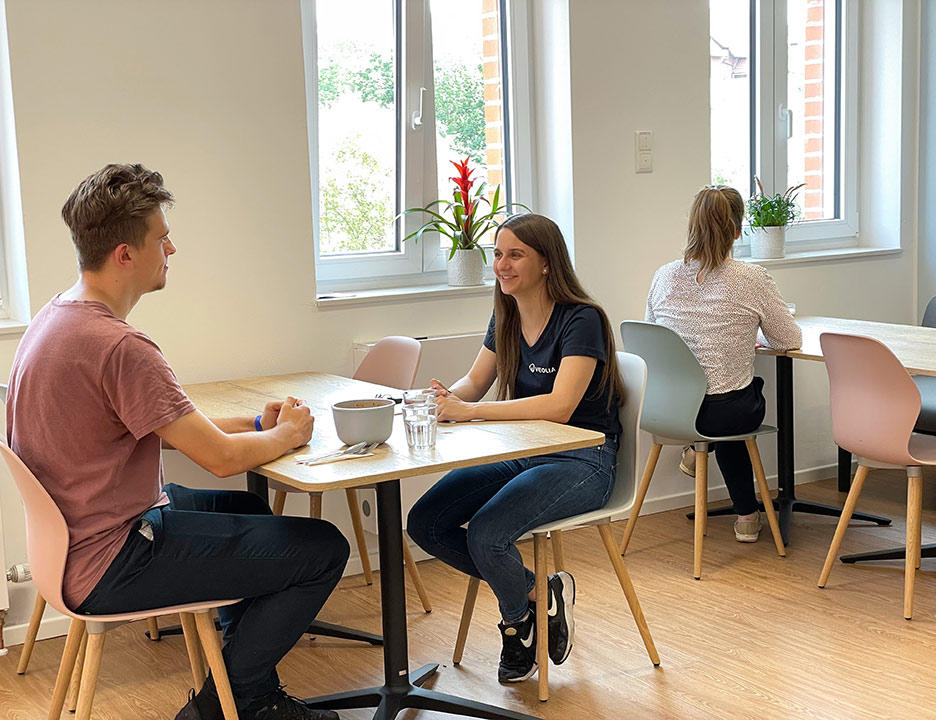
465, 268
767, 242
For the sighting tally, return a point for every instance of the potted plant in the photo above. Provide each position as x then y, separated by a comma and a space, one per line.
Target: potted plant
464, 220
769, 216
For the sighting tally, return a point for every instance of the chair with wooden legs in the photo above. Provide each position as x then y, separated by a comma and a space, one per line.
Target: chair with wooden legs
676, 386
875, 405
634, 372
47, 548
392, 362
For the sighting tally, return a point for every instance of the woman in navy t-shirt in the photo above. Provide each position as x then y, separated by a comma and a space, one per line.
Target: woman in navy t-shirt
551, 350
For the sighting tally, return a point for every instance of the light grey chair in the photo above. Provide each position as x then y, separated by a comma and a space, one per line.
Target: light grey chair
634, 372
676, 386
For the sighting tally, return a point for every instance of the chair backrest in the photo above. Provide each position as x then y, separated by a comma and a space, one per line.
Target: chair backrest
873, 399
634, 373
676, 383
392, 361
929, 315
46, 532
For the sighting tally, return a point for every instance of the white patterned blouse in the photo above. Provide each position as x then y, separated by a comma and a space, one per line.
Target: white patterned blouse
719, 317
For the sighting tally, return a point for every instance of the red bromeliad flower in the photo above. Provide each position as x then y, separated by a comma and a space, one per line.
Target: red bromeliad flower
464, 183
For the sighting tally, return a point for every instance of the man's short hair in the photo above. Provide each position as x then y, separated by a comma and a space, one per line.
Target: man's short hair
110, 207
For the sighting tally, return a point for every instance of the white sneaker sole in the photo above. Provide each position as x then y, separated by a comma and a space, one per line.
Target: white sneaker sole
746, 538
521, 679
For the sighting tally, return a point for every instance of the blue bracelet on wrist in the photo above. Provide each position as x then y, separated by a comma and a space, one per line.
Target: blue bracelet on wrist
257, 423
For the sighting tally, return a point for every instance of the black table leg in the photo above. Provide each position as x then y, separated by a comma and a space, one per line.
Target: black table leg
400, 689
844, 470
900, 553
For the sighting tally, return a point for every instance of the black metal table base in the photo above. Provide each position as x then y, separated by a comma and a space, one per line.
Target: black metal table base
900, 553
389, 701
401, 689
316, 627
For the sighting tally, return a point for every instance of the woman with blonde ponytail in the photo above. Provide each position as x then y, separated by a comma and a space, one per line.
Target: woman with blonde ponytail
550, 348
718, 305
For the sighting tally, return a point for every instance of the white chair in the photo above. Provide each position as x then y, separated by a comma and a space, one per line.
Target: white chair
634, 372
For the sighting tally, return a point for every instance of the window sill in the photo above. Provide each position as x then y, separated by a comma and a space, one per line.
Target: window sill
826, 255
327, 301
12, 327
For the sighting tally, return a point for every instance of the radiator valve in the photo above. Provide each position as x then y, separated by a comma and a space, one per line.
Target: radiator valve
19, 573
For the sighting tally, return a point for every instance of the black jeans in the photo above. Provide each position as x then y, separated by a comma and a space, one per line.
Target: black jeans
213, 545
734, 413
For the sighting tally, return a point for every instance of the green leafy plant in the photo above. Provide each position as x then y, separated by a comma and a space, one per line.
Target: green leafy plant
773, 210
468, 222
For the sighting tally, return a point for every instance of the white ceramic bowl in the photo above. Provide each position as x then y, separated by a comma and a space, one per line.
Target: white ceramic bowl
369, 420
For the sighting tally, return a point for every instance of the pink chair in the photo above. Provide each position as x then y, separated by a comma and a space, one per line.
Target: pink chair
392, 362
47, 548
875, 405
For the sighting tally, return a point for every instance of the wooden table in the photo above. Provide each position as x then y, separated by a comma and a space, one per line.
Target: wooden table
460, 445
914, 346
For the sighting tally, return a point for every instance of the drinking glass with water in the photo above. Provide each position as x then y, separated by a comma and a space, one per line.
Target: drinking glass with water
420, 421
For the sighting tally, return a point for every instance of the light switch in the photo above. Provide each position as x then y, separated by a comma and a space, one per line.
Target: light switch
644, 141
644, 162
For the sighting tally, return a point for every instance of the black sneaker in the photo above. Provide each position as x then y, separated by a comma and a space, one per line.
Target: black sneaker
202, 706
518, 654
278, 705
561, 625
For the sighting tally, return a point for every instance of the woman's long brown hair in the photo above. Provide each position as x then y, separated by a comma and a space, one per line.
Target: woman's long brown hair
562, 286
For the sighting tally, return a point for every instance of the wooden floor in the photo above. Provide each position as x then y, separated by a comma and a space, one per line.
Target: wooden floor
754, 639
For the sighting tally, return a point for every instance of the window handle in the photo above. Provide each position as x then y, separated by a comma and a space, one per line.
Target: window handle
417, 118
785, 114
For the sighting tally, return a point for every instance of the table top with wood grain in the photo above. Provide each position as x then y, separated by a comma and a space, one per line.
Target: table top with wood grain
913, 345
457, 445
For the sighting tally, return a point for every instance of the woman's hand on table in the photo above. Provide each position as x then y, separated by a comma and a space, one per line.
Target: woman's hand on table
440, 389
453, 409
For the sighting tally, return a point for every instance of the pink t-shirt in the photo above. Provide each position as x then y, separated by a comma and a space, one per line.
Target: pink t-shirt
87, 391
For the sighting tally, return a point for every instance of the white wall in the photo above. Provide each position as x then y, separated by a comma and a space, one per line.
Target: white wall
211, 94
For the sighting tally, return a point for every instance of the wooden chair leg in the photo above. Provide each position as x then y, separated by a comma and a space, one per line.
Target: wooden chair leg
641, 494
279, 502
558, 552
467, 609
358, 525
66, 665
75, 684
153, 626
542, 627
758, 466
415, 576
31, 632
607, 537
212, 648
701, 510
912, 555
315, 505
193, 646
842, 526
89, 675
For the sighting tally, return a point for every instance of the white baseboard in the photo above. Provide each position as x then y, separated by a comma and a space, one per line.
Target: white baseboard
52, 625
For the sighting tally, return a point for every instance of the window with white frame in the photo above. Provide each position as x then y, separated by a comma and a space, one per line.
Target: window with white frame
396, 92
784, 107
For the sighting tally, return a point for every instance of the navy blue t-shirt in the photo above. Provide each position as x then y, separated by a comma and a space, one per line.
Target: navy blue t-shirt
572, 329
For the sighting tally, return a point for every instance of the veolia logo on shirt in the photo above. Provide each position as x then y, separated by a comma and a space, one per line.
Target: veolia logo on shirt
543, 371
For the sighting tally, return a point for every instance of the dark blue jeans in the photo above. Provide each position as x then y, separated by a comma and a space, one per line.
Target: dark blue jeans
213, 545
502, 501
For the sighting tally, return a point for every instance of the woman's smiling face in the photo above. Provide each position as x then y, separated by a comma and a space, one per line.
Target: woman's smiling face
519, 269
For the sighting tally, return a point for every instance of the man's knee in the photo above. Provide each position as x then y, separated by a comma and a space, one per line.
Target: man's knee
485, 538
332, 545
417, 524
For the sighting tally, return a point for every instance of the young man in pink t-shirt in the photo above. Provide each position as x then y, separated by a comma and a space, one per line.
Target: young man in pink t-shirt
91, 403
